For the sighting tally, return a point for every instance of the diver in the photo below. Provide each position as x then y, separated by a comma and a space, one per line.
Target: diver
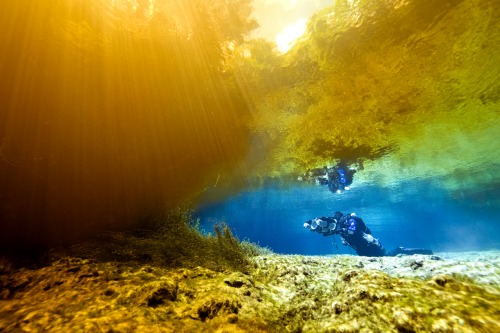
354, 233
338, 177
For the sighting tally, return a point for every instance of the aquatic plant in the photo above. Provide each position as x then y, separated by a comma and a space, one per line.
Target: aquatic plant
172, 240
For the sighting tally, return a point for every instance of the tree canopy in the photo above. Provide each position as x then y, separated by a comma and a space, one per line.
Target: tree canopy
371, 77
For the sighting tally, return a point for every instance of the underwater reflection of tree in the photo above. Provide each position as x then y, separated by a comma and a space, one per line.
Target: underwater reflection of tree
368, 75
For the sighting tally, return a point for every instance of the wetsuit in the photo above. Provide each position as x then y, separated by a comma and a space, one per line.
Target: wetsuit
354, 233
337, 178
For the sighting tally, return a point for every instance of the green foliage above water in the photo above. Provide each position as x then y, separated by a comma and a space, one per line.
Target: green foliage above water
413, 80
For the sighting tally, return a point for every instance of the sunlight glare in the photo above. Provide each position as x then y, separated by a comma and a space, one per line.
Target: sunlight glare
287, 38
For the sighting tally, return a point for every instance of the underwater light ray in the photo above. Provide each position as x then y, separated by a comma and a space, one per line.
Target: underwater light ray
110, 113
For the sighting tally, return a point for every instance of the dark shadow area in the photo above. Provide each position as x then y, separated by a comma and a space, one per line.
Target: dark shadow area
171, 241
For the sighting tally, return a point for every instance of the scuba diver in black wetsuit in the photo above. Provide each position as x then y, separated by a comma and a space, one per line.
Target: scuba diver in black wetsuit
337, 178
354, 233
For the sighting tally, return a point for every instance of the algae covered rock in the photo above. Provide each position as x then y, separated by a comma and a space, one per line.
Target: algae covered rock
155, 293
280, 294
214, 306
339, 296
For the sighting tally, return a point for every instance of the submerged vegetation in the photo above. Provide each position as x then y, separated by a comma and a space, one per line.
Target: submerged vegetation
172, 241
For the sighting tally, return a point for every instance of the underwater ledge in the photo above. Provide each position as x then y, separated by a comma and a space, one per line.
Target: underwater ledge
445, 292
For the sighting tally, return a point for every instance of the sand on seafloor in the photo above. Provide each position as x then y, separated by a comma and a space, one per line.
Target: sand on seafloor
445, 292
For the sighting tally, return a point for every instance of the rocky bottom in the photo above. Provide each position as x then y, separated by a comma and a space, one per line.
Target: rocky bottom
446, 292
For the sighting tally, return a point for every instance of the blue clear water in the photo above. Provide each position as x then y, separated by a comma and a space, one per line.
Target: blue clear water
412, 214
